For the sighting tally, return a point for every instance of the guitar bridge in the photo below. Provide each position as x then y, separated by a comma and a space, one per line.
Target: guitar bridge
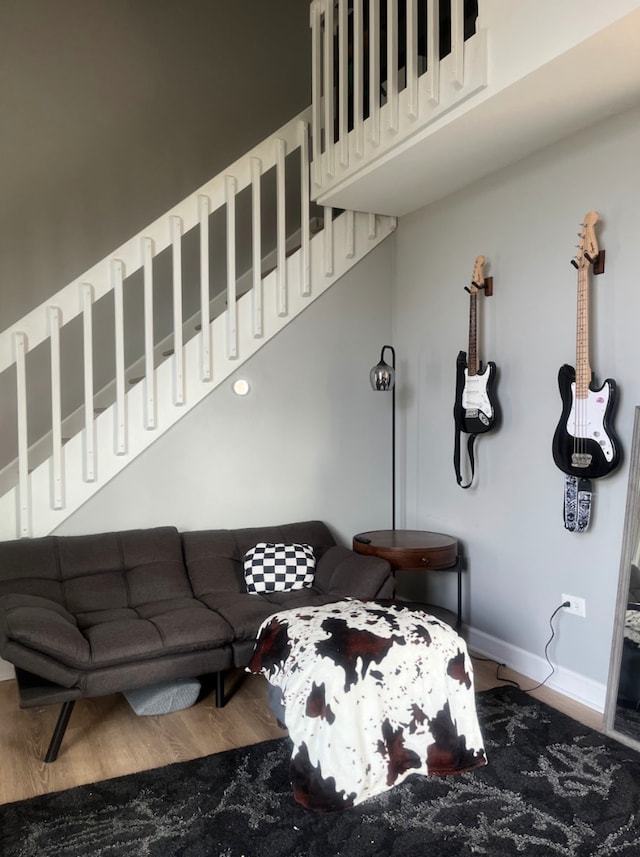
581, 459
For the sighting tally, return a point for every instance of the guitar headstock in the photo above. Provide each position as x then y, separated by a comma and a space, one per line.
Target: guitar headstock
588, 246
477, 278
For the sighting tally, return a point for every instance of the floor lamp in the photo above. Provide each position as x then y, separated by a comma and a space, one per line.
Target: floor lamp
383, 379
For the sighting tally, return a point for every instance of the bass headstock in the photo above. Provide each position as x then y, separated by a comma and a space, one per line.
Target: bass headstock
477, 278
588, 245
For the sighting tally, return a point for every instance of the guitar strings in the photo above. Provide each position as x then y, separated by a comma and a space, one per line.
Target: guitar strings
582, 364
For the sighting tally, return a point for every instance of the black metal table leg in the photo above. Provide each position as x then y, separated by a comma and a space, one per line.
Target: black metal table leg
459, 619
60, 729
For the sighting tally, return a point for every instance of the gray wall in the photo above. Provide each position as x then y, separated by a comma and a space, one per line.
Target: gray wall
114, 110
524, 220
311, 440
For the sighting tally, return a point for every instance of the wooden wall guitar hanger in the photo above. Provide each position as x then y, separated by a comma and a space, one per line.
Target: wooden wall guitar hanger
475, 408
585, 445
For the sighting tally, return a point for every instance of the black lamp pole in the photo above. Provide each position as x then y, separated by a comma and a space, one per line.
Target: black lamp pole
383, 379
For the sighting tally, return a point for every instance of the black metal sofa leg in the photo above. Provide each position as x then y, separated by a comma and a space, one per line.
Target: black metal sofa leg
60, 729
220, 700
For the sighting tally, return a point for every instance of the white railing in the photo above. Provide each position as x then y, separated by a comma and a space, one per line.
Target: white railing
382, 70
230, 324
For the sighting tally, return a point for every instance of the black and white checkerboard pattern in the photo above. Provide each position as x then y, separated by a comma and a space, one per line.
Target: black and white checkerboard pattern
278, 567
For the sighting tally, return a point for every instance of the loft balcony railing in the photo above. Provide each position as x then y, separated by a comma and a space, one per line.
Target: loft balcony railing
382, 71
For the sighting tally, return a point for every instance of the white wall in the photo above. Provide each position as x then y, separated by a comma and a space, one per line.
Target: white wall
524, 220
543, 29
310, 441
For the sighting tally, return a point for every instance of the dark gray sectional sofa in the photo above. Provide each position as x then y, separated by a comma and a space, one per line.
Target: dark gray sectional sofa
91, 615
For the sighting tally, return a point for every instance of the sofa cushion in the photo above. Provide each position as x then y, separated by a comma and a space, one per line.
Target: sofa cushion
105, 638
343, 573
214, 557
157, 629
97, 571
245, 612
30, 567
126, 569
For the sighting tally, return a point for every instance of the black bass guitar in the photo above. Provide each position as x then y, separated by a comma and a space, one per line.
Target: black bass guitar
478, 413
585, 444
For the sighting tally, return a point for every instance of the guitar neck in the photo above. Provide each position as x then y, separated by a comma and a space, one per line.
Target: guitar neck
583, 369
472, 354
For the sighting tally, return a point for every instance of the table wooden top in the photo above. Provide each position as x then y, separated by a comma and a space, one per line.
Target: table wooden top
403, 539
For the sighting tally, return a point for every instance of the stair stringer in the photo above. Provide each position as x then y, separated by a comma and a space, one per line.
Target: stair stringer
329, 261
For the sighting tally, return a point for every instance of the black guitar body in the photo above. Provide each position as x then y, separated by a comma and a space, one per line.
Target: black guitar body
479, 406
585, 443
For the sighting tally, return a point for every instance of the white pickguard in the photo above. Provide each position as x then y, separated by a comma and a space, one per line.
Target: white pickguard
586, 418
474, 395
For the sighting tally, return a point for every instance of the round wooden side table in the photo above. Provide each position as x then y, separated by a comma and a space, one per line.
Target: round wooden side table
414, 550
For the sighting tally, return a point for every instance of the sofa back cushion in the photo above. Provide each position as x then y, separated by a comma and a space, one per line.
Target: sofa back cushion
97, 572
215, 558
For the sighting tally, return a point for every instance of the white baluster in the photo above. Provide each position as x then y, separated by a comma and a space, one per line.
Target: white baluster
205, 321
56, 484
328, 241
281, 226
232, 307
24, 498
433, 51
150, 414
305, 255
412, 58
178, 349
392, 64
316, 90
372, 226
256, 244
350, 238
343, 81
120, 413
358, 77
89, 439
457, 42
374, 71
329, 110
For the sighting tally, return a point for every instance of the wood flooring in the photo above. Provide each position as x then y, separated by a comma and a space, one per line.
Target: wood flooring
105, 738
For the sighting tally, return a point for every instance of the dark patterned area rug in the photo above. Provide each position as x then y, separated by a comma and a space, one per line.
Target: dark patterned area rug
552, 787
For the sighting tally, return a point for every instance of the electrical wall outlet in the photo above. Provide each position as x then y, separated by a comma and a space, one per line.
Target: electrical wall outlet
577, 605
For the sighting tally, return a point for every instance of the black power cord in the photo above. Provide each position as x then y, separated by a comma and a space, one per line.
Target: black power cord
546, 654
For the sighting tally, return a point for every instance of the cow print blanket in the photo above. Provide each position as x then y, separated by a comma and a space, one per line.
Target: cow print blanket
372, 693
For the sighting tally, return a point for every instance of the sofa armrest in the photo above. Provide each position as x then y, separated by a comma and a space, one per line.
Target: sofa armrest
343, 572
40, 626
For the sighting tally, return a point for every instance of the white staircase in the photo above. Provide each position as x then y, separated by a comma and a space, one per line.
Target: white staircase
50, 477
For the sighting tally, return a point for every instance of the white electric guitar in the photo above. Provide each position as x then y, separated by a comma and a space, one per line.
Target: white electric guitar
478, 403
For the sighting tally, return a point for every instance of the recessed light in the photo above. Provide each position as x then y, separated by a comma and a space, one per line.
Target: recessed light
241, 387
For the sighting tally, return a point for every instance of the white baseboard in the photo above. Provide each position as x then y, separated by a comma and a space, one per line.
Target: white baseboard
574, 685
6, 670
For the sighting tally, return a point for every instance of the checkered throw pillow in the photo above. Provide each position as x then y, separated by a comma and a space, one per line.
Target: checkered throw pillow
278, 567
